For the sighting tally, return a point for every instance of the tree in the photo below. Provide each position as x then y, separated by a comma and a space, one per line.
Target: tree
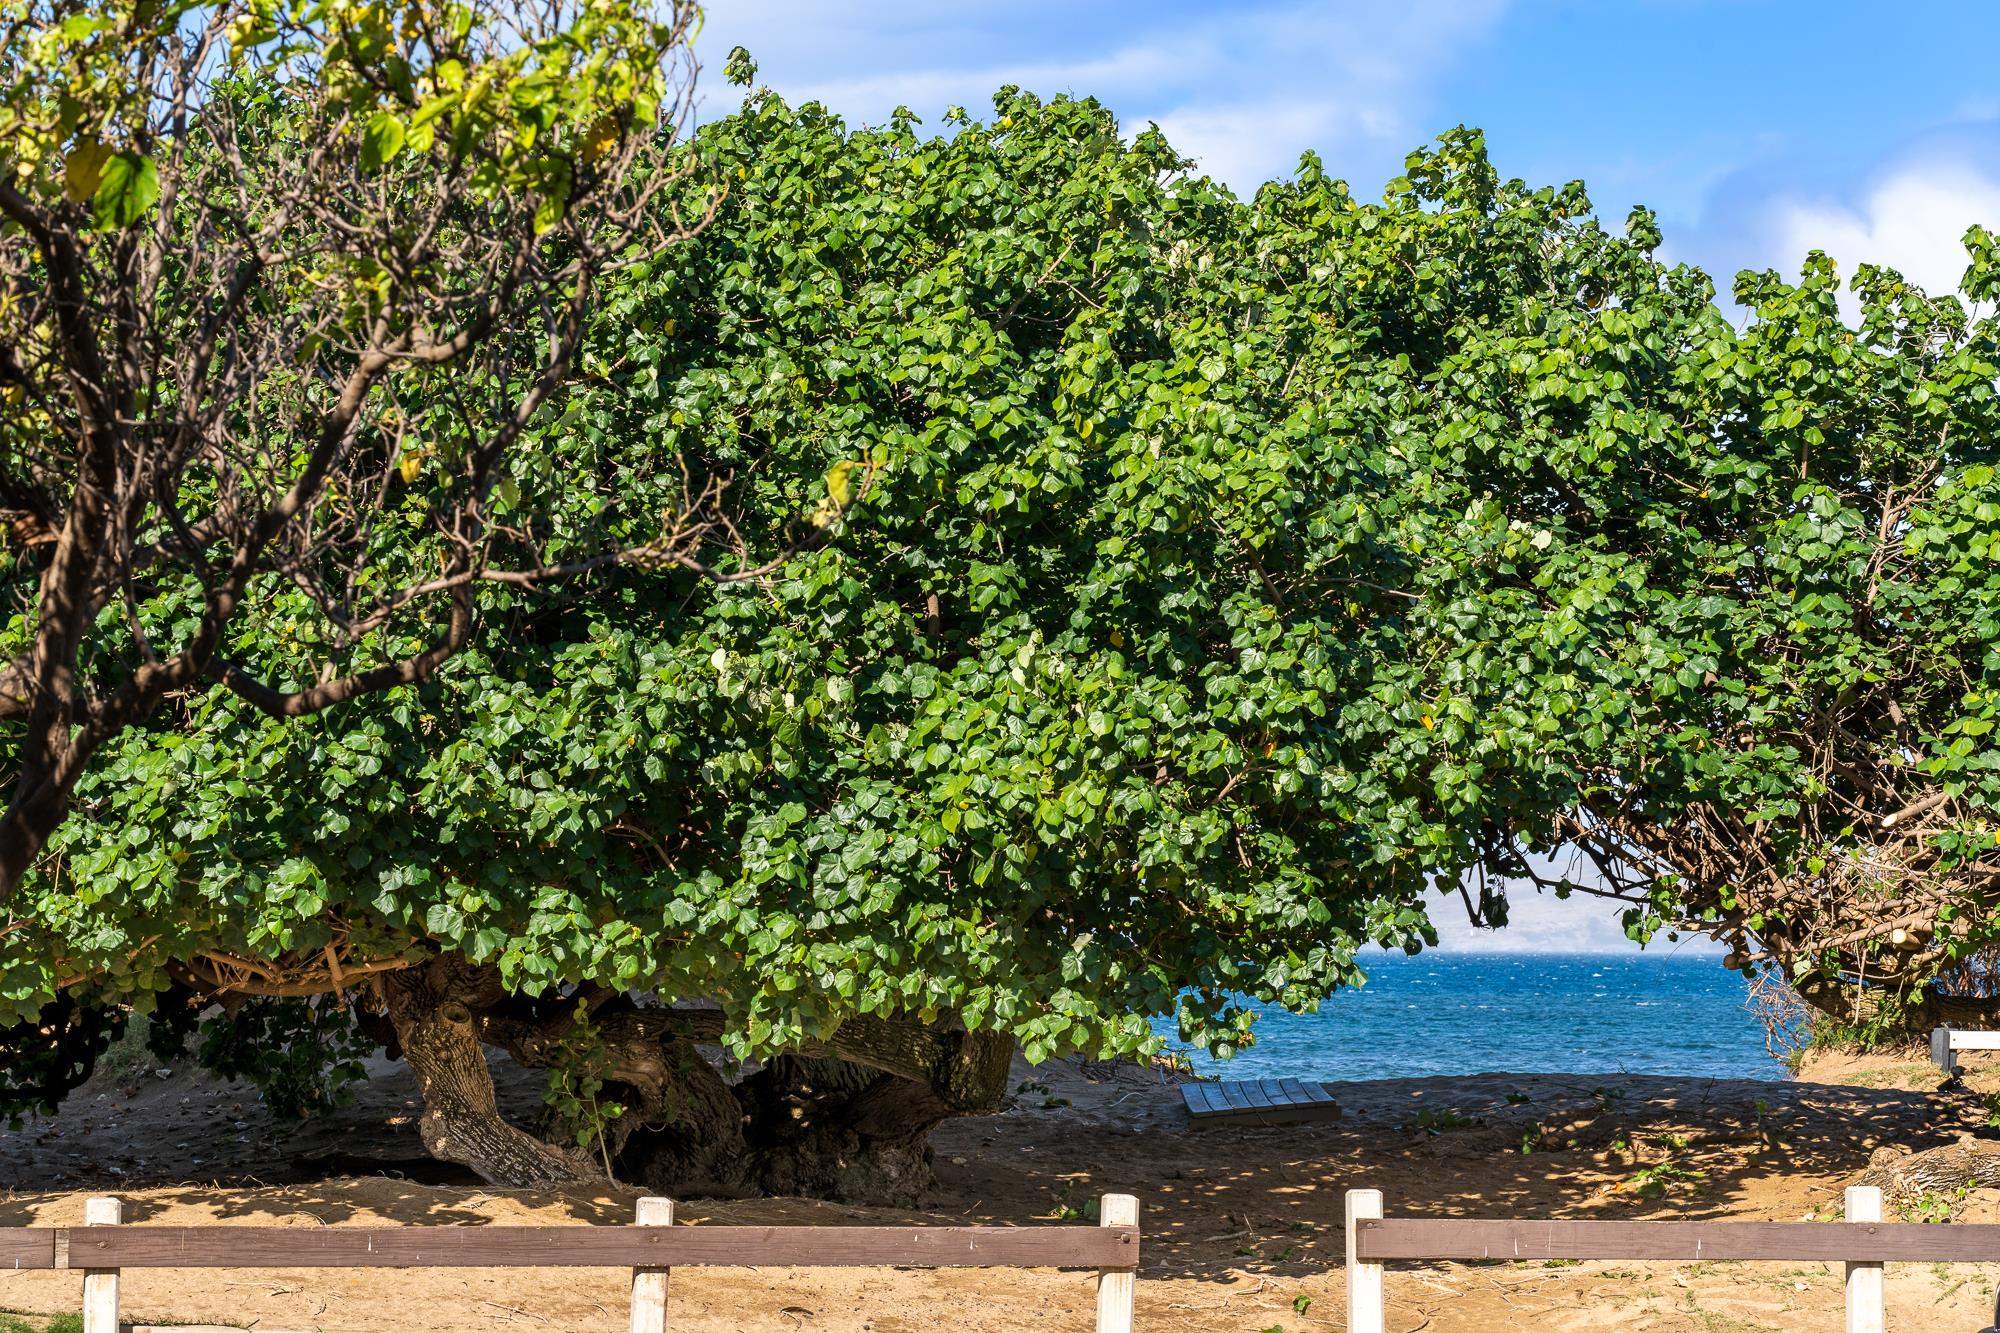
1709, 606
1076, 723
237, 241
1713, 610
1209, 579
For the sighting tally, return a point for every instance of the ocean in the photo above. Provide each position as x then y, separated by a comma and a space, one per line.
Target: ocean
1467, 1013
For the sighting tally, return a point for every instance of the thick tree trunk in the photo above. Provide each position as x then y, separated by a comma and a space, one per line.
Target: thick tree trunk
847, 1119
1917, 1014
826, 1125
461, 1120
686, 1137
685, 1119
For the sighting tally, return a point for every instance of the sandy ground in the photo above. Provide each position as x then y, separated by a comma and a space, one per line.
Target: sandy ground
1242, 1226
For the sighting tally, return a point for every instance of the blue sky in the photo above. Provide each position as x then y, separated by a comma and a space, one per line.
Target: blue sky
1758, 129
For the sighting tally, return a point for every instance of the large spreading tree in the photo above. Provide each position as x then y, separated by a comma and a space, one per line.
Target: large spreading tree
1078, 719
1177, 588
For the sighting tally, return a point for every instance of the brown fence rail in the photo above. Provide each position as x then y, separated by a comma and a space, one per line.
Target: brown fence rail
651, 1249
1863, 1243
1870, 1242
577, 1247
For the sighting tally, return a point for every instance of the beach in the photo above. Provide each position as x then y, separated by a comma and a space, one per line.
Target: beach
1242, 1226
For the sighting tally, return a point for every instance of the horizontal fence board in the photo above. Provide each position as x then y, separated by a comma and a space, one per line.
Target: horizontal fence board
1975, 1041
1855, 1242
27, 1247
601, 1247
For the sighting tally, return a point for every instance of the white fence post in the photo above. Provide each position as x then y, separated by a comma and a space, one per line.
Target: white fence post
1116, 1287
1864, 1280
1365, 1313
100, 1285
649, 1285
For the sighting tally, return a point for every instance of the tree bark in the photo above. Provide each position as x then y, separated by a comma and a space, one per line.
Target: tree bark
1944, 1173
1844, 1002
829, 1124
688, 1126
846, 1119
461, 1120
688, 1142
834, 1129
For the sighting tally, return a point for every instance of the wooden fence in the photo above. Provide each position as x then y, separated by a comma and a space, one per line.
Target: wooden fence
651, 1248
1863, 1242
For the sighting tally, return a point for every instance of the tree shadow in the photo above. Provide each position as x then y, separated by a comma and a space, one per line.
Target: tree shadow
1216, 1203
379, 1200
1220, 1202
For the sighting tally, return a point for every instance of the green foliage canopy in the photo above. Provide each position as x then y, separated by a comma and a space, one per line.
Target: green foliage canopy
1080, 719
1718, 606
1206, 579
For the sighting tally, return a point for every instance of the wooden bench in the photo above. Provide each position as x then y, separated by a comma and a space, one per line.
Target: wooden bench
1270, 1101
1947, 1042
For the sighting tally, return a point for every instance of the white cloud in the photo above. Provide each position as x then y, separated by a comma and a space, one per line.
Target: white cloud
1248, 143
1244, 88
1912, 220
1133, 67
1536, 923
1540, 922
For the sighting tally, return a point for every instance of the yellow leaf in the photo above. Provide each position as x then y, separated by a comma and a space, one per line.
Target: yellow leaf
599, 138
837, 485
83, 172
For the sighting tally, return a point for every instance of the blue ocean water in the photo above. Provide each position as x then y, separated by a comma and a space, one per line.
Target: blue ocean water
1463, 1013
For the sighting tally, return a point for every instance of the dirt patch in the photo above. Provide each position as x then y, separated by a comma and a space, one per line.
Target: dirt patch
1243, 1226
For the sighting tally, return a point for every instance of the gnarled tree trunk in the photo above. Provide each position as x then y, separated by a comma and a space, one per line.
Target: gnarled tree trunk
1916, 1013
848, 1119
682, 1128
432, 1010
681, 1125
